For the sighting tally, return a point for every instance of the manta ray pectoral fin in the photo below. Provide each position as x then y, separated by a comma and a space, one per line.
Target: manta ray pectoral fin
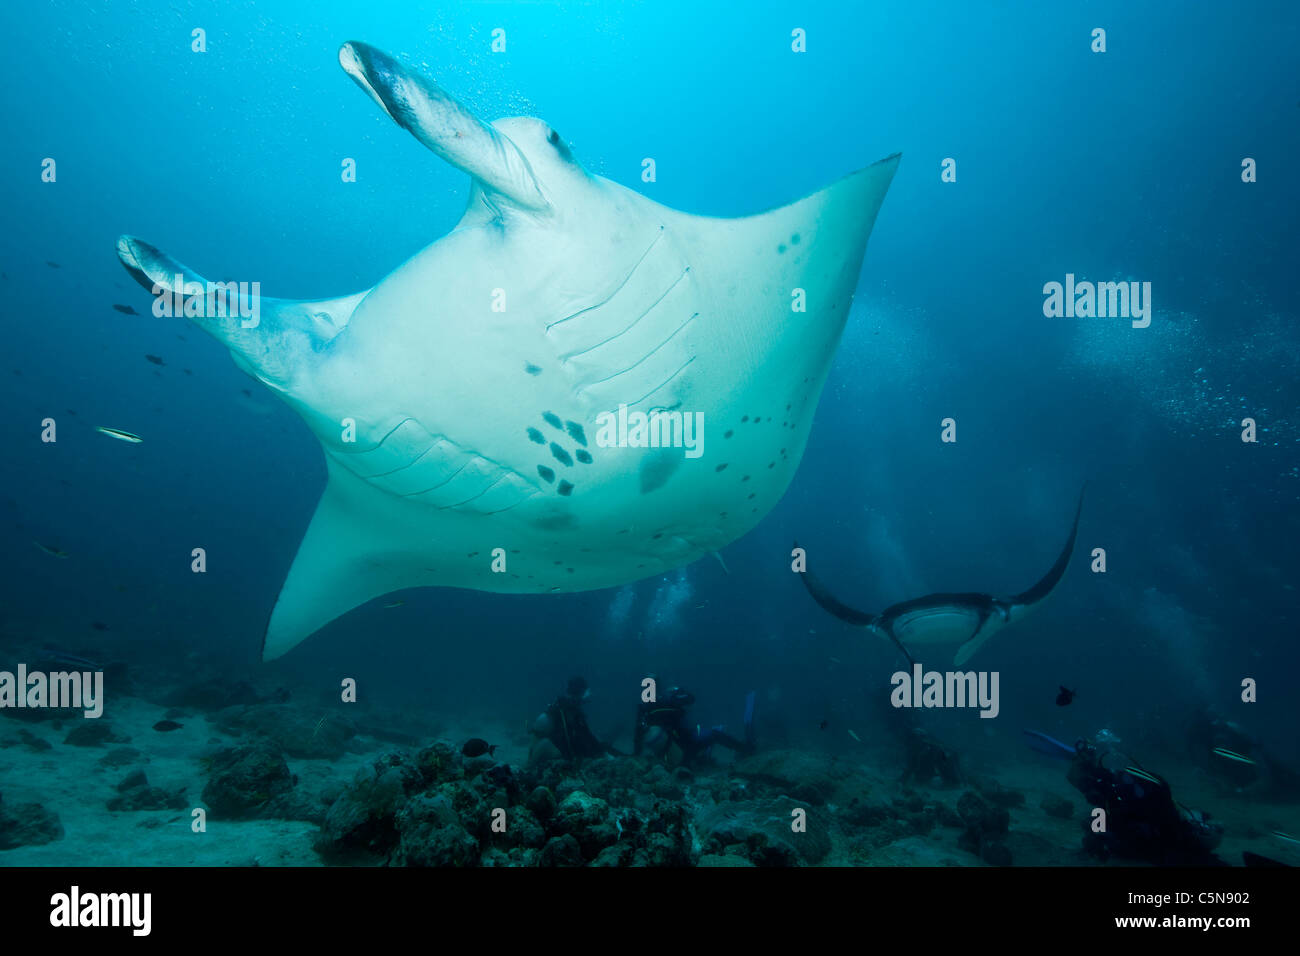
849, 615
270, 338
833, 605
1053, 577
442, 124
1007, 611
349, 556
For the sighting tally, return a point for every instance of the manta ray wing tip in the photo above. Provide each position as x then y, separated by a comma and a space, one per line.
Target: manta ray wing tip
126, 250
136, 256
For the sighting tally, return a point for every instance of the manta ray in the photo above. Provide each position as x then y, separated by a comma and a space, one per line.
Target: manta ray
459, 400
966, 619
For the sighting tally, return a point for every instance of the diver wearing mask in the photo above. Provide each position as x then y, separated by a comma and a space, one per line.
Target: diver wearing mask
1143, 821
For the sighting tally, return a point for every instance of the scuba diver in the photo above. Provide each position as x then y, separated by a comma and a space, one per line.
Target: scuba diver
663, 722
564, 723
1143, 821
1238, 760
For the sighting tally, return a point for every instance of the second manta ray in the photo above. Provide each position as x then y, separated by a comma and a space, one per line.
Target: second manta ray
464, 402
966, 619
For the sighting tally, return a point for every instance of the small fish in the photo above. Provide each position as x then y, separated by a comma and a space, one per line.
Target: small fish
1284, 837
56, 656
119, 434
125, 309
395, 604
157, 360
99, 625
319, 723
836, 660
855, 736
1143, 775
54, 552
1231, 755
246, 393
52, 264
1064, 697
477, 747
165, 725
823, 725
187, 371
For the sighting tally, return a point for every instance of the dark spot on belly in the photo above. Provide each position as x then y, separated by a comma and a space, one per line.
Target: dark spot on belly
780, 250
553, 420
722, 467
536, 436
746, 478
745, 419
532, 369
561, 455
547, 474
771, 464
564, 488
751, 497
576, 433
583, 456
794, 240
657, 535
570, 570
729, 433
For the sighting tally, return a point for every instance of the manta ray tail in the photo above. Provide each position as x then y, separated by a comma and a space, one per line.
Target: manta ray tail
271, 339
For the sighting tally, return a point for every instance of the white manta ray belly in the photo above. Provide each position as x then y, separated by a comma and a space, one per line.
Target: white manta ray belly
462, 401
937, 625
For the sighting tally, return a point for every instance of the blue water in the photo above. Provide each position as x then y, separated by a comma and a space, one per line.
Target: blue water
1122, 165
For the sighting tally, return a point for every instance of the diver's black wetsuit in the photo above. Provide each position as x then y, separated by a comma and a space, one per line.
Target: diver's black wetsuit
569, 730
1143, 821
670, 716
